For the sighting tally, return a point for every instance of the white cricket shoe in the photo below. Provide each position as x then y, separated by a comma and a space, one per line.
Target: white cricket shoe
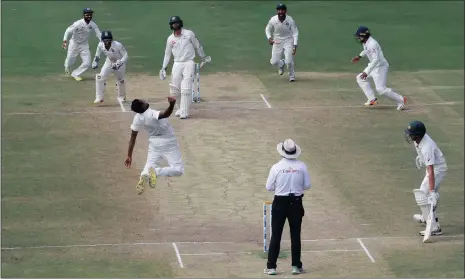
371, 103
183, 116
177, 113
98, 101
400, 106
291, 79
436, 231
281, 69
419, 218
270, 271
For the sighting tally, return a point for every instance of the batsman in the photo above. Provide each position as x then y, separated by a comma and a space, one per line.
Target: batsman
431, 157
182, 43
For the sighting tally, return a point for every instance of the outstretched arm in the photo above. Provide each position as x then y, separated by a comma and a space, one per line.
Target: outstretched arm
169, 110
132, 143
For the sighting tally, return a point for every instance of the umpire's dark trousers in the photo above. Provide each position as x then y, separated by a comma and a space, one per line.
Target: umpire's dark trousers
283, 207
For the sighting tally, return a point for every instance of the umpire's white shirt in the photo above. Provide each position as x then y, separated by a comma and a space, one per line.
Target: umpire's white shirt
288, 177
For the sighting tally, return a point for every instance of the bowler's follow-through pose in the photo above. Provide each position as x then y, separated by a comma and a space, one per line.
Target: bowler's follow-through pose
162, 143
431, 157
117, 57
281, 32
377, 69
79, 43
182, 43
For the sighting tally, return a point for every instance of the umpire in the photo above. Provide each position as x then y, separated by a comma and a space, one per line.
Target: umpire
288, 178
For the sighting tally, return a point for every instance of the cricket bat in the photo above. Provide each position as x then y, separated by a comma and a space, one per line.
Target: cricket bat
429, 226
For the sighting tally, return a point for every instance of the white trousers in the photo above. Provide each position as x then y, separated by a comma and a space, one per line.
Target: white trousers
102, 77
379, 77
160, 148
73, 51
279, 48
182, 76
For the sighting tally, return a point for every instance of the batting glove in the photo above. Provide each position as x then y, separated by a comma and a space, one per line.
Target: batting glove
95, 63
433, 198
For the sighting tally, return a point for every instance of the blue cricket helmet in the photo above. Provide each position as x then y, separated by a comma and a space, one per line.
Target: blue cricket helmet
362, 31
87, 11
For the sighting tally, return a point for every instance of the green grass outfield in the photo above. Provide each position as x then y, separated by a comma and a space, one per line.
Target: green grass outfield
63, 181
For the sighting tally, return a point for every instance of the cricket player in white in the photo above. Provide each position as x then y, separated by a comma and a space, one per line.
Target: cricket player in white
79, 43
117, 58
377, 69
431, 157
281, 32
182, 43
162, 143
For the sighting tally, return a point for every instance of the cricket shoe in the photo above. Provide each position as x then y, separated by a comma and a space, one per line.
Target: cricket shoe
371, 103
270, 271
419, 218
296, 270
177, 113
281, 69
436, 231
400, 106
99, 102
292, 79
152, 177
140, 186
183, 116
78, 78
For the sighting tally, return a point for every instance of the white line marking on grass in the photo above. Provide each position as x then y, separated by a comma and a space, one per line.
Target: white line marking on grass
366, 250
84, 245
250, 253
219, 242
108, 22
178, 255
386, 106
121, 105
266, 102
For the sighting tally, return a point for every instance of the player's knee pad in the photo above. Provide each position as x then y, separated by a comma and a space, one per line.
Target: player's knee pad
186, 86
99, 79
275, 62
121, 88
422, 201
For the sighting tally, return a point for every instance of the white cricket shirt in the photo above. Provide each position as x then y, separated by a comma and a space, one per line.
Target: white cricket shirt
183, 47
80, 31
373, 51
288, 177
156, 128
282, 30
115, 53
430, 154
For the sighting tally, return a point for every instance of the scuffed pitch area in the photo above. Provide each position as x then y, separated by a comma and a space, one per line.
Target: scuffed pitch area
228, 148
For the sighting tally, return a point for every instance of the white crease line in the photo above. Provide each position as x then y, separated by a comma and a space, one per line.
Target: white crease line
206, 242
366, 250
121, 105
84, 245
178, 255
266, 102
199, 242
386, 106
250, 253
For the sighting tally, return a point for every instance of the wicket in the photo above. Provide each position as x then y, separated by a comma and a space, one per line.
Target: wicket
270, 204
196, 95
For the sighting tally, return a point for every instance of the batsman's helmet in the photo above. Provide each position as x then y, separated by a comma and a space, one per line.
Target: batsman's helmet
362, 34
281, 7
175, 19
87, 11
415, 130
106, 35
